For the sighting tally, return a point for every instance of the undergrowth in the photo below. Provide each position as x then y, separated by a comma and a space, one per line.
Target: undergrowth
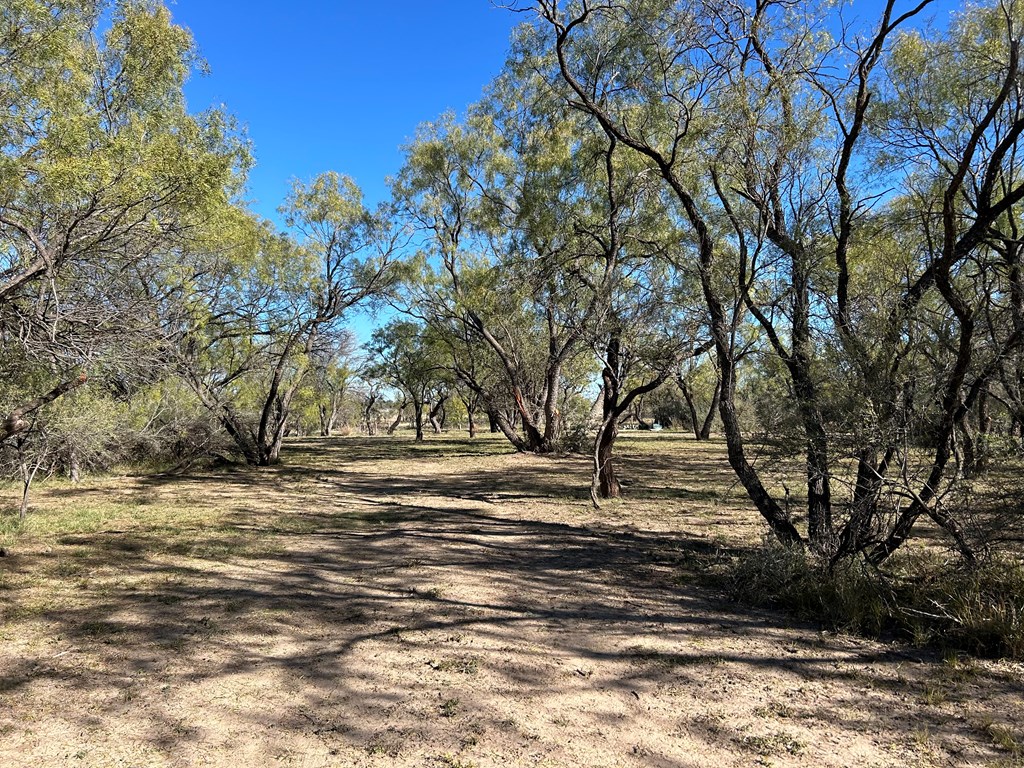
920, 597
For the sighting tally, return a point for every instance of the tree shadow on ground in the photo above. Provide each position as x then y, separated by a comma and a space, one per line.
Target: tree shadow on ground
379, 612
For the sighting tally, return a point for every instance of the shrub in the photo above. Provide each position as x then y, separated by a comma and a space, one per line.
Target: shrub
851, 597
921, 597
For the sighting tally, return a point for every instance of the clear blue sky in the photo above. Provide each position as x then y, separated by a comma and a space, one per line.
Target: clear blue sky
342, 84
339, 85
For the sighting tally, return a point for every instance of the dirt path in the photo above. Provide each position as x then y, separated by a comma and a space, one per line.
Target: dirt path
361, 610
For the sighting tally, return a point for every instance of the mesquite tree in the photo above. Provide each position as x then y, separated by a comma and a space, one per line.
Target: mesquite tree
103, 171
255, 318
842, 194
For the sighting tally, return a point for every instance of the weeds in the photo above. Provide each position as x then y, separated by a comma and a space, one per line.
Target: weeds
850, 597
773, 744
449, 708
922, 598
1002, 737
465, 665
450, 761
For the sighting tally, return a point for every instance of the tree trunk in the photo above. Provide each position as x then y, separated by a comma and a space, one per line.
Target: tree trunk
28, 474
369, 423
709, 420
925, 501
398, 418
418, 420
437, 414
605, 481
638, 414
74, 469
506, 428
857, 534
984, 430
272, 452
690, 405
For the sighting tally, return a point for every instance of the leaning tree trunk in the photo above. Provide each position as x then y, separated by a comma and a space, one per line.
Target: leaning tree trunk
690, 405
606, 482
709, 420
398, 418
17, 420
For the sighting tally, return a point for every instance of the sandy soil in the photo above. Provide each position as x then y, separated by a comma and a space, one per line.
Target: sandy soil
467, 608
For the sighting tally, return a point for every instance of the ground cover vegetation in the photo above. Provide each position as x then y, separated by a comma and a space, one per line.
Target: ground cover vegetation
783, 223
383, 601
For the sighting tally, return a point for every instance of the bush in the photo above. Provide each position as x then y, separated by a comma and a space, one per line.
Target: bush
979, 610
851, 597
922, 598
576, 439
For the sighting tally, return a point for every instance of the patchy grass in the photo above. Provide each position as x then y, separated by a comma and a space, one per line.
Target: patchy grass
382, 603
773, 744
1004, 737
463, 665
449, 708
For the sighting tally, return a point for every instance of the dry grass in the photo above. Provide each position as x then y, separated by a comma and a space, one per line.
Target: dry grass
377, 603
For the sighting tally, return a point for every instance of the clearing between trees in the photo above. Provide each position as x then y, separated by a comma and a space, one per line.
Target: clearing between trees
380, 602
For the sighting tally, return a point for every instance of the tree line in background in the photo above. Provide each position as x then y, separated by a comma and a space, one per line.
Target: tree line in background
795, 225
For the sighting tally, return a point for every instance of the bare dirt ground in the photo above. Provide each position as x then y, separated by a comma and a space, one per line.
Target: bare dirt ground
376, 603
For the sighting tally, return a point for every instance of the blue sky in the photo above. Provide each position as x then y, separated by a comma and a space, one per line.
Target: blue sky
339, 85
342, 84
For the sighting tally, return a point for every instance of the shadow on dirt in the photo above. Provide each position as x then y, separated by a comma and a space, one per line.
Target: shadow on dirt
335, 584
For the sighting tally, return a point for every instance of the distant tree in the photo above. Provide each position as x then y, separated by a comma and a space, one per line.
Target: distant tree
698, 379
406, 356
334, 368
507, 275
261, 313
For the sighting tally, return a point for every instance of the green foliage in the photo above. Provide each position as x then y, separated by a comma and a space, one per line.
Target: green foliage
108, 186
410, 358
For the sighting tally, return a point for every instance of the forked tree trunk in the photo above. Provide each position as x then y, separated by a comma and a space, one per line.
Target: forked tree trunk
328, 417
369, 423
437, 415
605, 483
28, 474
